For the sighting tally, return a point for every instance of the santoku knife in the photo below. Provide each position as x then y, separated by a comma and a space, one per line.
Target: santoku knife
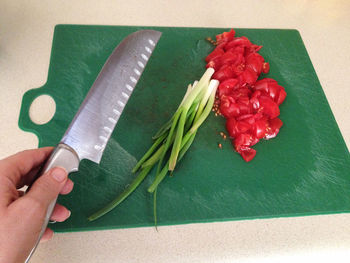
93, 124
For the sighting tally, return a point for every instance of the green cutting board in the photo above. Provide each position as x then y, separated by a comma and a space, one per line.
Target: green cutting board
304, 171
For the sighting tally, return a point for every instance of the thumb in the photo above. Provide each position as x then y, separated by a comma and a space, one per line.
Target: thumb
47, 187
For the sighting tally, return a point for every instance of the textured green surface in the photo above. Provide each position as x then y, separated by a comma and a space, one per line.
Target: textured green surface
304, 171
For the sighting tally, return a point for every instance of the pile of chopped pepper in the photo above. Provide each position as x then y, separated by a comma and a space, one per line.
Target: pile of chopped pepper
250, 106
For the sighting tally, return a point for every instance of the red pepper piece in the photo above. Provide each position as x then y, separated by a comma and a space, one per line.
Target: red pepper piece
240, 59
259, 128
244, 99
247, 154
263, 84
268, 107
238, 41
227, 86
242, 127
235, 128
239, 50
238, 69
272, 89
231, 127
245, 106
218, 52
259, 116
237, 65
249, 76
221, 45
281, 96
255, 48
256, 94
248, 118
214, 63
228, 58
244, 140
225, 72
234, 49
275, 123
273, 128
266, 67
241, 93
254, 100
225, 36
231, 111
228, 107
244, 109
255, 62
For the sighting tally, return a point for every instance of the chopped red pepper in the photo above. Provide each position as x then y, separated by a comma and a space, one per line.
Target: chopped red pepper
266, 67
228, 107
273, 128
251, 106
225, 72
281, 96
227, 86
225, 37
248, 154
228, 58
255, 62
231, 127
244, 140
268, 107
248, 76
217, 53
238, 41
259, 129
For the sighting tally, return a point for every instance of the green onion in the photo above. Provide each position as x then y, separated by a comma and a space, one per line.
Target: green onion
186, 104
169, 139
173, 139
210, 102
149, 152
122, 196
154, 158
184, 147
155, 208
167, 125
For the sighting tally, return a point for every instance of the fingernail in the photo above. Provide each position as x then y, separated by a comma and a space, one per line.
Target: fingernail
69, 213
59, 174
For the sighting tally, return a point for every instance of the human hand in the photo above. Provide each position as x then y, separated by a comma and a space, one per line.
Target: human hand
22, 216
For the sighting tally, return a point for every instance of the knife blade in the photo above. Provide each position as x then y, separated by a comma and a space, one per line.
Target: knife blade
93, 124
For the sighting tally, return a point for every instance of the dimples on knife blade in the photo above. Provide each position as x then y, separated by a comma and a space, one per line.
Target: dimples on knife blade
97, 116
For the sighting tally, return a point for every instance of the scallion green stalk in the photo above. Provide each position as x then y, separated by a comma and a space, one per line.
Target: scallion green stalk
135, 183
186, 104
174, 137
184, 147
148, 153
189, 137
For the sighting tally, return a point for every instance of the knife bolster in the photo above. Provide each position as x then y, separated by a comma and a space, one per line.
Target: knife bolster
63, 156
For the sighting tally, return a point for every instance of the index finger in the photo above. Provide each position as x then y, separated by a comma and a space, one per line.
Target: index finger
20, 164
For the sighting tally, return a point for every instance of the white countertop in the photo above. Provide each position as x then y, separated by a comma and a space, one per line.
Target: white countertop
26, 31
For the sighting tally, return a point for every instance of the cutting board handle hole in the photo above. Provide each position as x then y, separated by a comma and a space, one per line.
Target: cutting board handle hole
42, 109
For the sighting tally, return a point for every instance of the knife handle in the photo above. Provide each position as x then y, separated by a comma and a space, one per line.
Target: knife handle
65, 157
